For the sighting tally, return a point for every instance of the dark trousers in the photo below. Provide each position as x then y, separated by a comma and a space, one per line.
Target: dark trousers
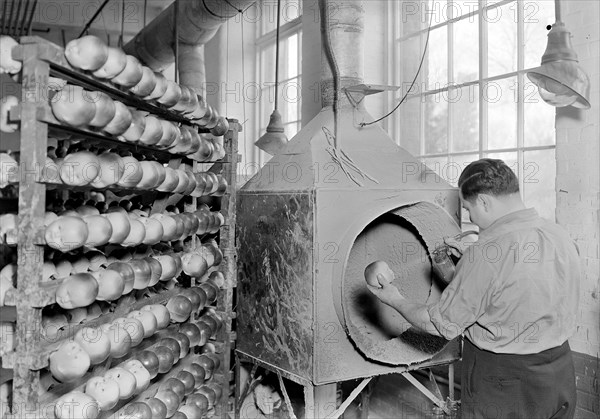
502, 386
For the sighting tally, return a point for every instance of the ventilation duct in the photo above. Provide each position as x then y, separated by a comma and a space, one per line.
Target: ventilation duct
197, 22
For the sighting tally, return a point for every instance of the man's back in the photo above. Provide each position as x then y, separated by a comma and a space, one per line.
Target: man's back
534, 284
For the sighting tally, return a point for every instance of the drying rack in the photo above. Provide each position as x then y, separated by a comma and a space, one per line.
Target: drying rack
41, 61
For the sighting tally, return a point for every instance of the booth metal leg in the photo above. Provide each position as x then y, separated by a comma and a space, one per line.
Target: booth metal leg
365, 401
237, 392
451, 381
319, 401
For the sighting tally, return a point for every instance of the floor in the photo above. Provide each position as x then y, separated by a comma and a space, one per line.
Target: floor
392, 397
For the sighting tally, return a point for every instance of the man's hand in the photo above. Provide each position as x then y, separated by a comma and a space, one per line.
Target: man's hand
387, 293
457, 245
415, 313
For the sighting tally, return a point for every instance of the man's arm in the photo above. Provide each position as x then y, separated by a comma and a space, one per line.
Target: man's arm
416, 313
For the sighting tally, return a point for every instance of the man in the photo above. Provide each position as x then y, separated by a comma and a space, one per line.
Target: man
514, 296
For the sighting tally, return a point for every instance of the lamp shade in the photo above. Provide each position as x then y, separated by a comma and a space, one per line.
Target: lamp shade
560, 79
274, 140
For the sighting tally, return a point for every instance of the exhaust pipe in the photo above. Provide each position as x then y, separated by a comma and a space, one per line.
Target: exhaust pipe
343, 26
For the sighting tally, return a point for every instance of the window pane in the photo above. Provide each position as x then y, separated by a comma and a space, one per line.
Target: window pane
457, 165
466, 49
539, 175
408, 68
267, 104
539, 119
291, 129
299, 52
290, 10
439, 9
502, 39
291, 58
509, 158
465, 117
410, 121
437, 165
436, 124
536, 16
289, 100
501, 97
267, 13
437, 59
267, 64
463, 7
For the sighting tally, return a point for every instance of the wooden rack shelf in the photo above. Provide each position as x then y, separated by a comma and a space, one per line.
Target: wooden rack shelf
44, 114
27, 364
59, 67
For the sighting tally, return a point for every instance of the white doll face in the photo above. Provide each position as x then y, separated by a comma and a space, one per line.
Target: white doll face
104, 390
141, 374
125, 381
69, 362
76, 404
9, 65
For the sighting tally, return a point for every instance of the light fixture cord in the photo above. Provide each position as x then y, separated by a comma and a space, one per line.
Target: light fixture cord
121, 41
557, 16
246, 153
93, 18
176, 38
362, 124
145, 11
277, 53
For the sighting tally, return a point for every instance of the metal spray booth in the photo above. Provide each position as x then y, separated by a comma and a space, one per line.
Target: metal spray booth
309, 223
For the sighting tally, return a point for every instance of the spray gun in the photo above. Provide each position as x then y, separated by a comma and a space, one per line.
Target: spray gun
442, 264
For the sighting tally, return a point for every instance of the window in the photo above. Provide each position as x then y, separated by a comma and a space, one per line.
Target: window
290, 66
472, 98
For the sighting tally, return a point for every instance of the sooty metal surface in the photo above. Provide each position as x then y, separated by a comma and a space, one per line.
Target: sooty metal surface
275, 279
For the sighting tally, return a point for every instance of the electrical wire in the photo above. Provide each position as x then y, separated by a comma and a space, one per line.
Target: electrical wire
176, 38
239, 10
105, 30
277, 54
3, 18
10, 16
122, 26
31, 17
89, 23
145, 11
227, 62
23, 19
362, 124
243, 101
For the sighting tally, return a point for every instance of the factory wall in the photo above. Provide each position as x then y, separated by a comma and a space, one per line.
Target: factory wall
578, 198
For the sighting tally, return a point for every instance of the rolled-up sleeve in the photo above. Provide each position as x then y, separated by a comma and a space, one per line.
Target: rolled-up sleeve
464, 300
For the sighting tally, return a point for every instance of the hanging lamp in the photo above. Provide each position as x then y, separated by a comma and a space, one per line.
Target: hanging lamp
560, 79
274, 140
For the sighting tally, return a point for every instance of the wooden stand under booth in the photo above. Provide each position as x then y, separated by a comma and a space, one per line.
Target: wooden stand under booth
27, 365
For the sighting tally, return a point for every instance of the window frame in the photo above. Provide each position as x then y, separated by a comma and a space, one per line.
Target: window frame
263, 43
482, 79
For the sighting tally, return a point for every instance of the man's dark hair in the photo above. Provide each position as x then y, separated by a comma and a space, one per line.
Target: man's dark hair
489, 176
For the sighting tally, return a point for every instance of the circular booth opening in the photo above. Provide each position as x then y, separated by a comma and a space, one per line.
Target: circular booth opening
404, 239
